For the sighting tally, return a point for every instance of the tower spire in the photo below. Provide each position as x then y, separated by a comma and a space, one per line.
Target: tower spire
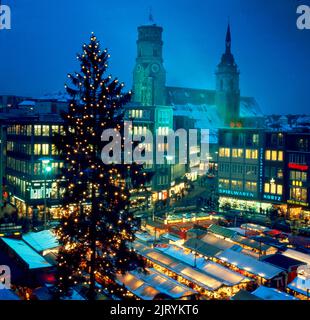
228, 39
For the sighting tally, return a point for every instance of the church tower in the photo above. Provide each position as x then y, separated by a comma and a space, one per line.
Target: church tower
227, 85
149, 76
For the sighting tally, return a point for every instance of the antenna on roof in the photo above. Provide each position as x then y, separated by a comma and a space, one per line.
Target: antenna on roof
151, 17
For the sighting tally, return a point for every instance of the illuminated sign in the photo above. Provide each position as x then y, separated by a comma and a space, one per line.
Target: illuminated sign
272, 197
297, 166
299, 203
261, 170
237, 193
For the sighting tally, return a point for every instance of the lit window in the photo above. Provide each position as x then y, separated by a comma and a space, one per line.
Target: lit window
45, 130
273, 188
224, 152
237, 153
280, 156
274, 156
251, 186
267, 187
268, 155
280, 189
236, 185
55, 129
37, 130
251, 154
37, 149
45, 149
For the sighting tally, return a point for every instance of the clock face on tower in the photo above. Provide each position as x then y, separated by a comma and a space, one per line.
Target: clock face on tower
155, 68
139, 68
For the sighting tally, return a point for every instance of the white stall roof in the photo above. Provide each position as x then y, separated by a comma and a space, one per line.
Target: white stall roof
228, 277
137, 286
247, 263
41, 241
164, 284
180, 254
27, 254
255, 227
217, 242
303, 257
200, 278
179, 267
214, 270
272, 294
238, 230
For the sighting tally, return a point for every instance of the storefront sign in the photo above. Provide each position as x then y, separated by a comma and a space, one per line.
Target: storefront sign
298, 203
261, 170
237, 193
272, 197
297, 166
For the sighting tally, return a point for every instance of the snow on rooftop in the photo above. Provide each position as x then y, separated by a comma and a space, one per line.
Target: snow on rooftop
249, 108
41, 241
205, 116
303, 120
27, 254
272, 294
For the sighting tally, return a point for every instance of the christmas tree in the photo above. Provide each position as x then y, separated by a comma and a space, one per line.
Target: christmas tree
97, 226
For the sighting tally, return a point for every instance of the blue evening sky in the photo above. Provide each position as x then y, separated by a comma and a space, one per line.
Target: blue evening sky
272, 54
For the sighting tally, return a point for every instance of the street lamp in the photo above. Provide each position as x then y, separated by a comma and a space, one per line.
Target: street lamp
47, 169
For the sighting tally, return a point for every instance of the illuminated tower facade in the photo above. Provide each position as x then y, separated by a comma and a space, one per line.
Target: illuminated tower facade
149, 76
227, 85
